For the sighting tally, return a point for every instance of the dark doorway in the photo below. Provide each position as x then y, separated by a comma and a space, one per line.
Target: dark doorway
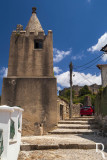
61, 112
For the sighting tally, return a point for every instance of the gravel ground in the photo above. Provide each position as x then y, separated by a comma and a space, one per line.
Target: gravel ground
67, 154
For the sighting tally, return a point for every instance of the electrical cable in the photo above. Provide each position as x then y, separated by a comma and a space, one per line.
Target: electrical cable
87, 66
85, 79
90, 61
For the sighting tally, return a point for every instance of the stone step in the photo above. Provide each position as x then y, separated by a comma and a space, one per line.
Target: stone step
77, 122
73, 131
59, 146
75, 125
81, 119
78, 127
62, 141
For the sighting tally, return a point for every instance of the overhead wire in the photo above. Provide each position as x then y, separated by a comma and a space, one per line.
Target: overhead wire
85, 78
88, 66
90, 61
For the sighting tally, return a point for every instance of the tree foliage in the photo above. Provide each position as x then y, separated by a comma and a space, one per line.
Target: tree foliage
79, 99
84, 91
67, 94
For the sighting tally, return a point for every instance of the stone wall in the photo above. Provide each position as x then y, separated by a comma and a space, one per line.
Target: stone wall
37, 96
101, 109
75, 111
25, 60
65, 109
101, 103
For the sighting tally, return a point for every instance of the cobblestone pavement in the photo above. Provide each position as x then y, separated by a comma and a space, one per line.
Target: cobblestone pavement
67, 154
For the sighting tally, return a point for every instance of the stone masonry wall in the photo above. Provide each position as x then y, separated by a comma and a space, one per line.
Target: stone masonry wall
101, 109
25, 61
65, 109
75, 111
37, 96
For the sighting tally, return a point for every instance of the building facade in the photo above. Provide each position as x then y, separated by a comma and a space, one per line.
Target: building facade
103, 68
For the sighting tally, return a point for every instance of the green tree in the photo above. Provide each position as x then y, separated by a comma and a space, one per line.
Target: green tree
93, 97
67, 94
73, 93
84, 91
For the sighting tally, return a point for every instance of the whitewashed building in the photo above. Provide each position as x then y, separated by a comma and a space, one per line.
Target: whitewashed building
103, 68
10, 132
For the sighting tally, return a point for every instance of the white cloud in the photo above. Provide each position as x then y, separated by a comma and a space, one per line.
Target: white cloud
77, 57
57, 70
60, 55
86, 79
78, 79
102, 41
3, 72
104, 58
63, 79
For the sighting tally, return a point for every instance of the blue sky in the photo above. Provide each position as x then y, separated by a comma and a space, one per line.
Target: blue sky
79, 31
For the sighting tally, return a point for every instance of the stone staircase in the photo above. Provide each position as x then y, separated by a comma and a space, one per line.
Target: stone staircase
77, 136
76, 133
80, 125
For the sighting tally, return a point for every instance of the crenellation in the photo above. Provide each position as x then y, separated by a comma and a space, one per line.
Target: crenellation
50, 31
32, 33
22, 32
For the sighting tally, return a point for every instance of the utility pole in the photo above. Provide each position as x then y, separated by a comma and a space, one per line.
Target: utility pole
71, 67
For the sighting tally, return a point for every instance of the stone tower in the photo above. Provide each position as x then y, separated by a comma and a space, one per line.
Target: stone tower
30, 82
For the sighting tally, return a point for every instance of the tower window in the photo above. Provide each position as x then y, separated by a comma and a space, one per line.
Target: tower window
38, 44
